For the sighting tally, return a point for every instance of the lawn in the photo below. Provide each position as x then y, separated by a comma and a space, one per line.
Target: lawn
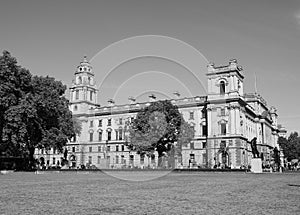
173, 193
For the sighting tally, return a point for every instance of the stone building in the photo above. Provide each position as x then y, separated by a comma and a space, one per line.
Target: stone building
225, 121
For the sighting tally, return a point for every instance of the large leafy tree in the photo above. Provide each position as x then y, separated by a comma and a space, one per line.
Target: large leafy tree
35, 114
158, 127
290, 146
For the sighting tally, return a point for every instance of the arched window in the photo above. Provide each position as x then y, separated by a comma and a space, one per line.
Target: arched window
222, 87
91, 95
79, 80
77, 94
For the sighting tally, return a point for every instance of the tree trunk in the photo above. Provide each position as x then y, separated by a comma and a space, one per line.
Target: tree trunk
31, 163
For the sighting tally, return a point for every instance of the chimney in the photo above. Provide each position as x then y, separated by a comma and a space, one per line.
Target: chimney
111, 102
177, 95
131, 100
211, 67
152, 98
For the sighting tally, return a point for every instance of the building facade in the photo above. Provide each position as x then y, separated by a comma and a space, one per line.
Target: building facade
225, 121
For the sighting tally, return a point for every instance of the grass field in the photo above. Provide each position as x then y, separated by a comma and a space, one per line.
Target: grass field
174, 193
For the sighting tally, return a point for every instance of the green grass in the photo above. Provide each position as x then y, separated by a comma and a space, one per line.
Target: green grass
174, 193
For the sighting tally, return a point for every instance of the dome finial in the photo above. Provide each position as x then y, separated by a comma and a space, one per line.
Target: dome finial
85, 58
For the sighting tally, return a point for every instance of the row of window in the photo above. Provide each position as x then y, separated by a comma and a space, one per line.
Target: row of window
120, 159
120, 122
192, 145
192, 115
77, 95
119, 135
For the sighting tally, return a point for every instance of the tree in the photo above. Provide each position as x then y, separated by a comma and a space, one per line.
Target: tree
159, 127
35, 114
290, 146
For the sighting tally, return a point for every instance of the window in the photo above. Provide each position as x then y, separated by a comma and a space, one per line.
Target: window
100, 136
142, 159
123, 147
222, 111
120, 134
109, 135
99, 160
77, 94
90, 149
203, 113
117, 148
131, 159
91, 95
91, 137
223, 145
117, 159
192, 115
192, 145
203, 145
90, 159
73, 149
100, 123
117, 134
91, 123
99, 148
108, 148
120, 121
223, 128
152, 158
79, 80
122, 159
75, 108
109, 122
204, 130
54, 150
222, 87
53, 161
192, 158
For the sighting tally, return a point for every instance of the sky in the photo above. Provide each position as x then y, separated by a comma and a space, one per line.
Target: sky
51, 38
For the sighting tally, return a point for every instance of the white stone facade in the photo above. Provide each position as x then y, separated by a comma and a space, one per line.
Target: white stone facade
225, 121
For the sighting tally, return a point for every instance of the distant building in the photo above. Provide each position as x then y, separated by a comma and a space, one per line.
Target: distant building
225, 121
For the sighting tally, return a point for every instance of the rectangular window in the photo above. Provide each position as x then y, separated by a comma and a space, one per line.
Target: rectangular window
204, 158
108, 148
91, 137
123, 147
203, 113
100, 123
120, 121
222, 111
152, 158
192, 158
117, 159
117, 135
223, 128
204, 130
122, 159
192, 145
117, 148
192, 115
131, 159
73, 149
203, 145
223, 145
142, 159
109, 122
100, 136
90, 159
91, 95
54, 150
91, 123
53, 161
99, 148
109, 135
99, 159
108, 159
120, 134
77, 94
90, 149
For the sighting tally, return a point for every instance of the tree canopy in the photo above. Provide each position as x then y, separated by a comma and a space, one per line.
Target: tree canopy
158, 127
290, 146
33, 111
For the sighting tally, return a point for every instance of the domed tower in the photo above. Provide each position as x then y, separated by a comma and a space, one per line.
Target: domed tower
83, 92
